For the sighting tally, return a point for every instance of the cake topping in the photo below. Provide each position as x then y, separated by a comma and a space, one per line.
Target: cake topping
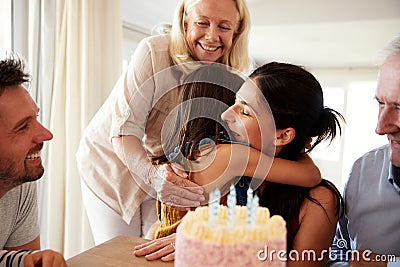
233, 224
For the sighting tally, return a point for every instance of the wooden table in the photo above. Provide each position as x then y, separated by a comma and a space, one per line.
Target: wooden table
116, 252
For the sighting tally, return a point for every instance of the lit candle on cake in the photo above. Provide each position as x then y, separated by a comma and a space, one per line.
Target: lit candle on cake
254, 207
232, 191
249, 204
213, 206
231, 207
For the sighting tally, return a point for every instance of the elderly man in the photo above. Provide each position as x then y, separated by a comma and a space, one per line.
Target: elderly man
21, 140
369, 233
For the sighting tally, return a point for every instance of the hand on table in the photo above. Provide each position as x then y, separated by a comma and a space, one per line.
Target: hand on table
162, 248
45, 258
174, 189
367, 259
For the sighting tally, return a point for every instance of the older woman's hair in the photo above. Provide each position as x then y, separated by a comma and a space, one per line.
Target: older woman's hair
12, 72
238, 58
391, 48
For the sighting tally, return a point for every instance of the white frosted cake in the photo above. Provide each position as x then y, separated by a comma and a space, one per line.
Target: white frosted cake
230, 240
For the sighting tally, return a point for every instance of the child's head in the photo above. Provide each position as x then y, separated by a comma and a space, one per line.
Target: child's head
295, 98
204, 95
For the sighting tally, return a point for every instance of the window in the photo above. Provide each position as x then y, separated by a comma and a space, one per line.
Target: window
350, 93
362, 116
328, 156
5, 33
334, 98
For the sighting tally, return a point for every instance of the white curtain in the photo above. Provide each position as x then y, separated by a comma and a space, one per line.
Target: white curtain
33, 30
74, 52
40, 49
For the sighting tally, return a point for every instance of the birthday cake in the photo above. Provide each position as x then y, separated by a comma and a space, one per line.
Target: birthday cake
230, 236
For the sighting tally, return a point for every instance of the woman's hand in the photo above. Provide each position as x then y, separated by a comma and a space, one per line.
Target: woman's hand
162, 248
174, 189
171, 184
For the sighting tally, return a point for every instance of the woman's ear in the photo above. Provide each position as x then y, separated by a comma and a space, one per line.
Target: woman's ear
284, 136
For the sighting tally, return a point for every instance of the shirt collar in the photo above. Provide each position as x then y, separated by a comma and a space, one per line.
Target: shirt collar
394, 177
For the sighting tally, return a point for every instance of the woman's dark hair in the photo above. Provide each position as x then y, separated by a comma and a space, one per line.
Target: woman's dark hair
296, 100
205, 94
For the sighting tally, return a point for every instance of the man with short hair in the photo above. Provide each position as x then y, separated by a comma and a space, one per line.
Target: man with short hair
21, 140
369, 232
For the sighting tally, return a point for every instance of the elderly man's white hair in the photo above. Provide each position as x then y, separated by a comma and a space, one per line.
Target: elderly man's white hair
391, 48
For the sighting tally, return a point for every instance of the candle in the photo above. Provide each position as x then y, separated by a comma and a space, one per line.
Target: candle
217, 196
249, 204
231, 207
232, 191
213, 206
254, 206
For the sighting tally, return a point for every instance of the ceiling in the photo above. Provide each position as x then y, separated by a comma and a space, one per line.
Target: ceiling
313, 33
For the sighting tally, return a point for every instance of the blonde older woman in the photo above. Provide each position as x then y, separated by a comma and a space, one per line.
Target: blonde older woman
118, 180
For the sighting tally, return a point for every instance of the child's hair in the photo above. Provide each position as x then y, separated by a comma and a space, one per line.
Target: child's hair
205, 94
296, 100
